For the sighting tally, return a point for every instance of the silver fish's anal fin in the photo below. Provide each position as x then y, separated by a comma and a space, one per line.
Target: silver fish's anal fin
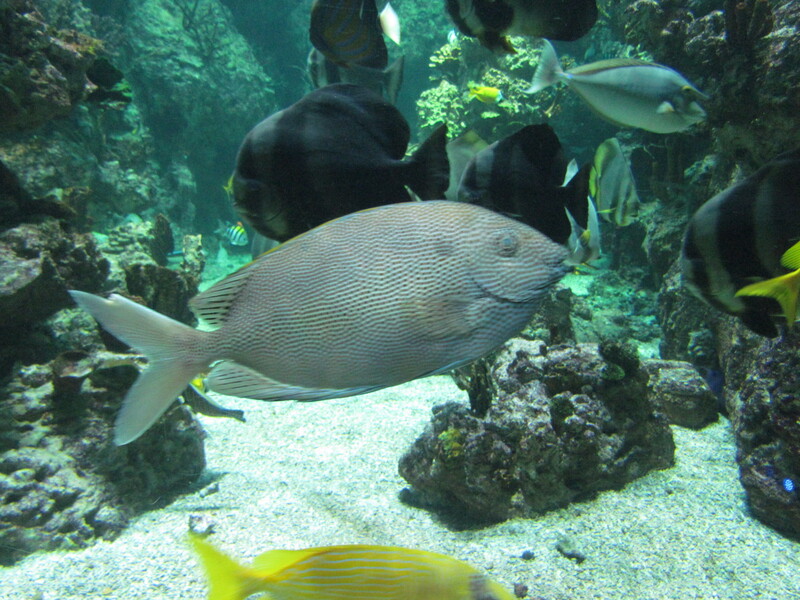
212, 306
232, 379
149, 398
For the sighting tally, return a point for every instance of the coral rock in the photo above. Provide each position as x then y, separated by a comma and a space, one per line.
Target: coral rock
63, 484
565, 422
679, 391
43, 74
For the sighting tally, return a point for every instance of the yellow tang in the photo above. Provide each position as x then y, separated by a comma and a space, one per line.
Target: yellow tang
485, 93
356, 572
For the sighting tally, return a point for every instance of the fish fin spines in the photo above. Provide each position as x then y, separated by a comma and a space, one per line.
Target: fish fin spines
549, 70
791, 258
784, 289
227, 579
164, 342
212, 305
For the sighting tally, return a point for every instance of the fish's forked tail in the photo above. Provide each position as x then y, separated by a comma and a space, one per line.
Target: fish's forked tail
549, 71
227, 579
163, 341
429, 167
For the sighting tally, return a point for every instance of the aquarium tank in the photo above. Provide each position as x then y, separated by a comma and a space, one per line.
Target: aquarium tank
405, 300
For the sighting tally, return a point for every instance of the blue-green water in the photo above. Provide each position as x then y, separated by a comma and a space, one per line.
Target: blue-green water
121, 125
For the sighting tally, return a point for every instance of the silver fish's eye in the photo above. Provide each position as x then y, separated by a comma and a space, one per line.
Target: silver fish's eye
506, 243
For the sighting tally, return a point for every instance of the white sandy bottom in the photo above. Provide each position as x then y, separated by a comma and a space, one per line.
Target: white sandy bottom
315, 474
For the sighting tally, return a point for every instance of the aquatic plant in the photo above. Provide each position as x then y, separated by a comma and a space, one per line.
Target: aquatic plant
205, 25
462, 62
746, 22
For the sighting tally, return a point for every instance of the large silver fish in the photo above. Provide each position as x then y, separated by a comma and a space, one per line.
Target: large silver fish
630, 93
366, 301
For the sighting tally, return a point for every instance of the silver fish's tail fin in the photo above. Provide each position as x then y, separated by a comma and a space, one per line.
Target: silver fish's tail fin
429, 167
549, 71
163, 341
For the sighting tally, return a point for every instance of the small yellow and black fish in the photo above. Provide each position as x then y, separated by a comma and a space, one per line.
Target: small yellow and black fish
235, 234
356, 572
523, 176
367, 301
338, 150
492, 20
626, 92
485, 93
741, 244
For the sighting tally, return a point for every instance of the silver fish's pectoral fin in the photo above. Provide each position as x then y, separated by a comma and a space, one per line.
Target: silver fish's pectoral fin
449, 317
232, 379
665, 108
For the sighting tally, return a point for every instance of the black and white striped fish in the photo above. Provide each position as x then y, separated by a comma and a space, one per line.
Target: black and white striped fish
523, 176
337, 150
492, 20
738, 243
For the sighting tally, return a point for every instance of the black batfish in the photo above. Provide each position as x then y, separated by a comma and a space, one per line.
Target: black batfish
337, 150
492, 20
522, 176
739, 243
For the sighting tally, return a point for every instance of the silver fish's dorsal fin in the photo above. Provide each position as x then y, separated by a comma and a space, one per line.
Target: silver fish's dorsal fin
231, 378
212, 306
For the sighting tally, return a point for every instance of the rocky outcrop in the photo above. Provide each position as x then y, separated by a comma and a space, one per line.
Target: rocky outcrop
678, 390
38, 264
762, 383
758, 383
43, 71
563, 423
63, 483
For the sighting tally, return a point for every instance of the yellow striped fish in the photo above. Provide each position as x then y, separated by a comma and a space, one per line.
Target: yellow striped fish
355, 572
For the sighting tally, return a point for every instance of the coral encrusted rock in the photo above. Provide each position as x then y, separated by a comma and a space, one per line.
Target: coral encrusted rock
565, 423
63, 482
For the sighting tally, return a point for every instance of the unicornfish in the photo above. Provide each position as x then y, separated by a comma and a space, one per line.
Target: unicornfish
369, 300
627, 92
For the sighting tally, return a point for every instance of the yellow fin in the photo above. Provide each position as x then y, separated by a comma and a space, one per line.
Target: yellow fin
791, 258
783, 289
271, 563
227, 579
